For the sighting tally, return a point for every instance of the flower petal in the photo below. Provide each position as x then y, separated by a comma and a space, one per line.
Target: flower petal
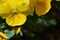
20, 5
17, 29
16, 19
31, 8
5, 15
0, 38
43, 0
23, 5
28, 12
42, 7
3, 35
4, 10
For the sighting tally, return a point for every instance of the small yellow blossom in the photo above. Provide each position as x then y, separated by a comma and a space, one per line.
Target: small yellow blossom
3, 36
41, 6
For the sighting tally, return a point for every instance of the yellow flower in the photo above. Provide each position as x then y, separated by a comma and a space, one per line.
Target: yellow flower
3, 36
14, 11
41, 6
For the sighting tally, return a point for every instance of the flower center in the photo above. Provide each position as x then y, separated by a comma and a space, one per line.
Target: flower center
14, 11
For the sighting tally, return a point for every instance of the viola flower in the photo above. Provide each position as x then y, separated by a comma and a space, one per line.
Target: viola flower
3, 36
13, 11
41, 6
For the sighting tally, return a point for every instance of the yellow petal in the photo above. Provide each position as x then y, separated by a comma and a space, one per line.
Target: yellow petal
16, 19
28, 12
44, 0
3, 35
5, 15
20, 5
17, 29
31, 8
42, 7
0, 38
2, 2
23, 5
4, 10
5, 39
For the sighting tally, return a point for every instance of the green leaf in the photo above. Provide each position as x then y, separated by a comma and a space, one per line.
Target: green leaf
28, 33
2, 25
21, 34
52, 22
9, 33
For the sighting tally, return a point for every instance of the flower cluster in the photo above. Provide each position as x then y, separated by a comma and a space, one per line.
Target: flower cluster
16, 11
